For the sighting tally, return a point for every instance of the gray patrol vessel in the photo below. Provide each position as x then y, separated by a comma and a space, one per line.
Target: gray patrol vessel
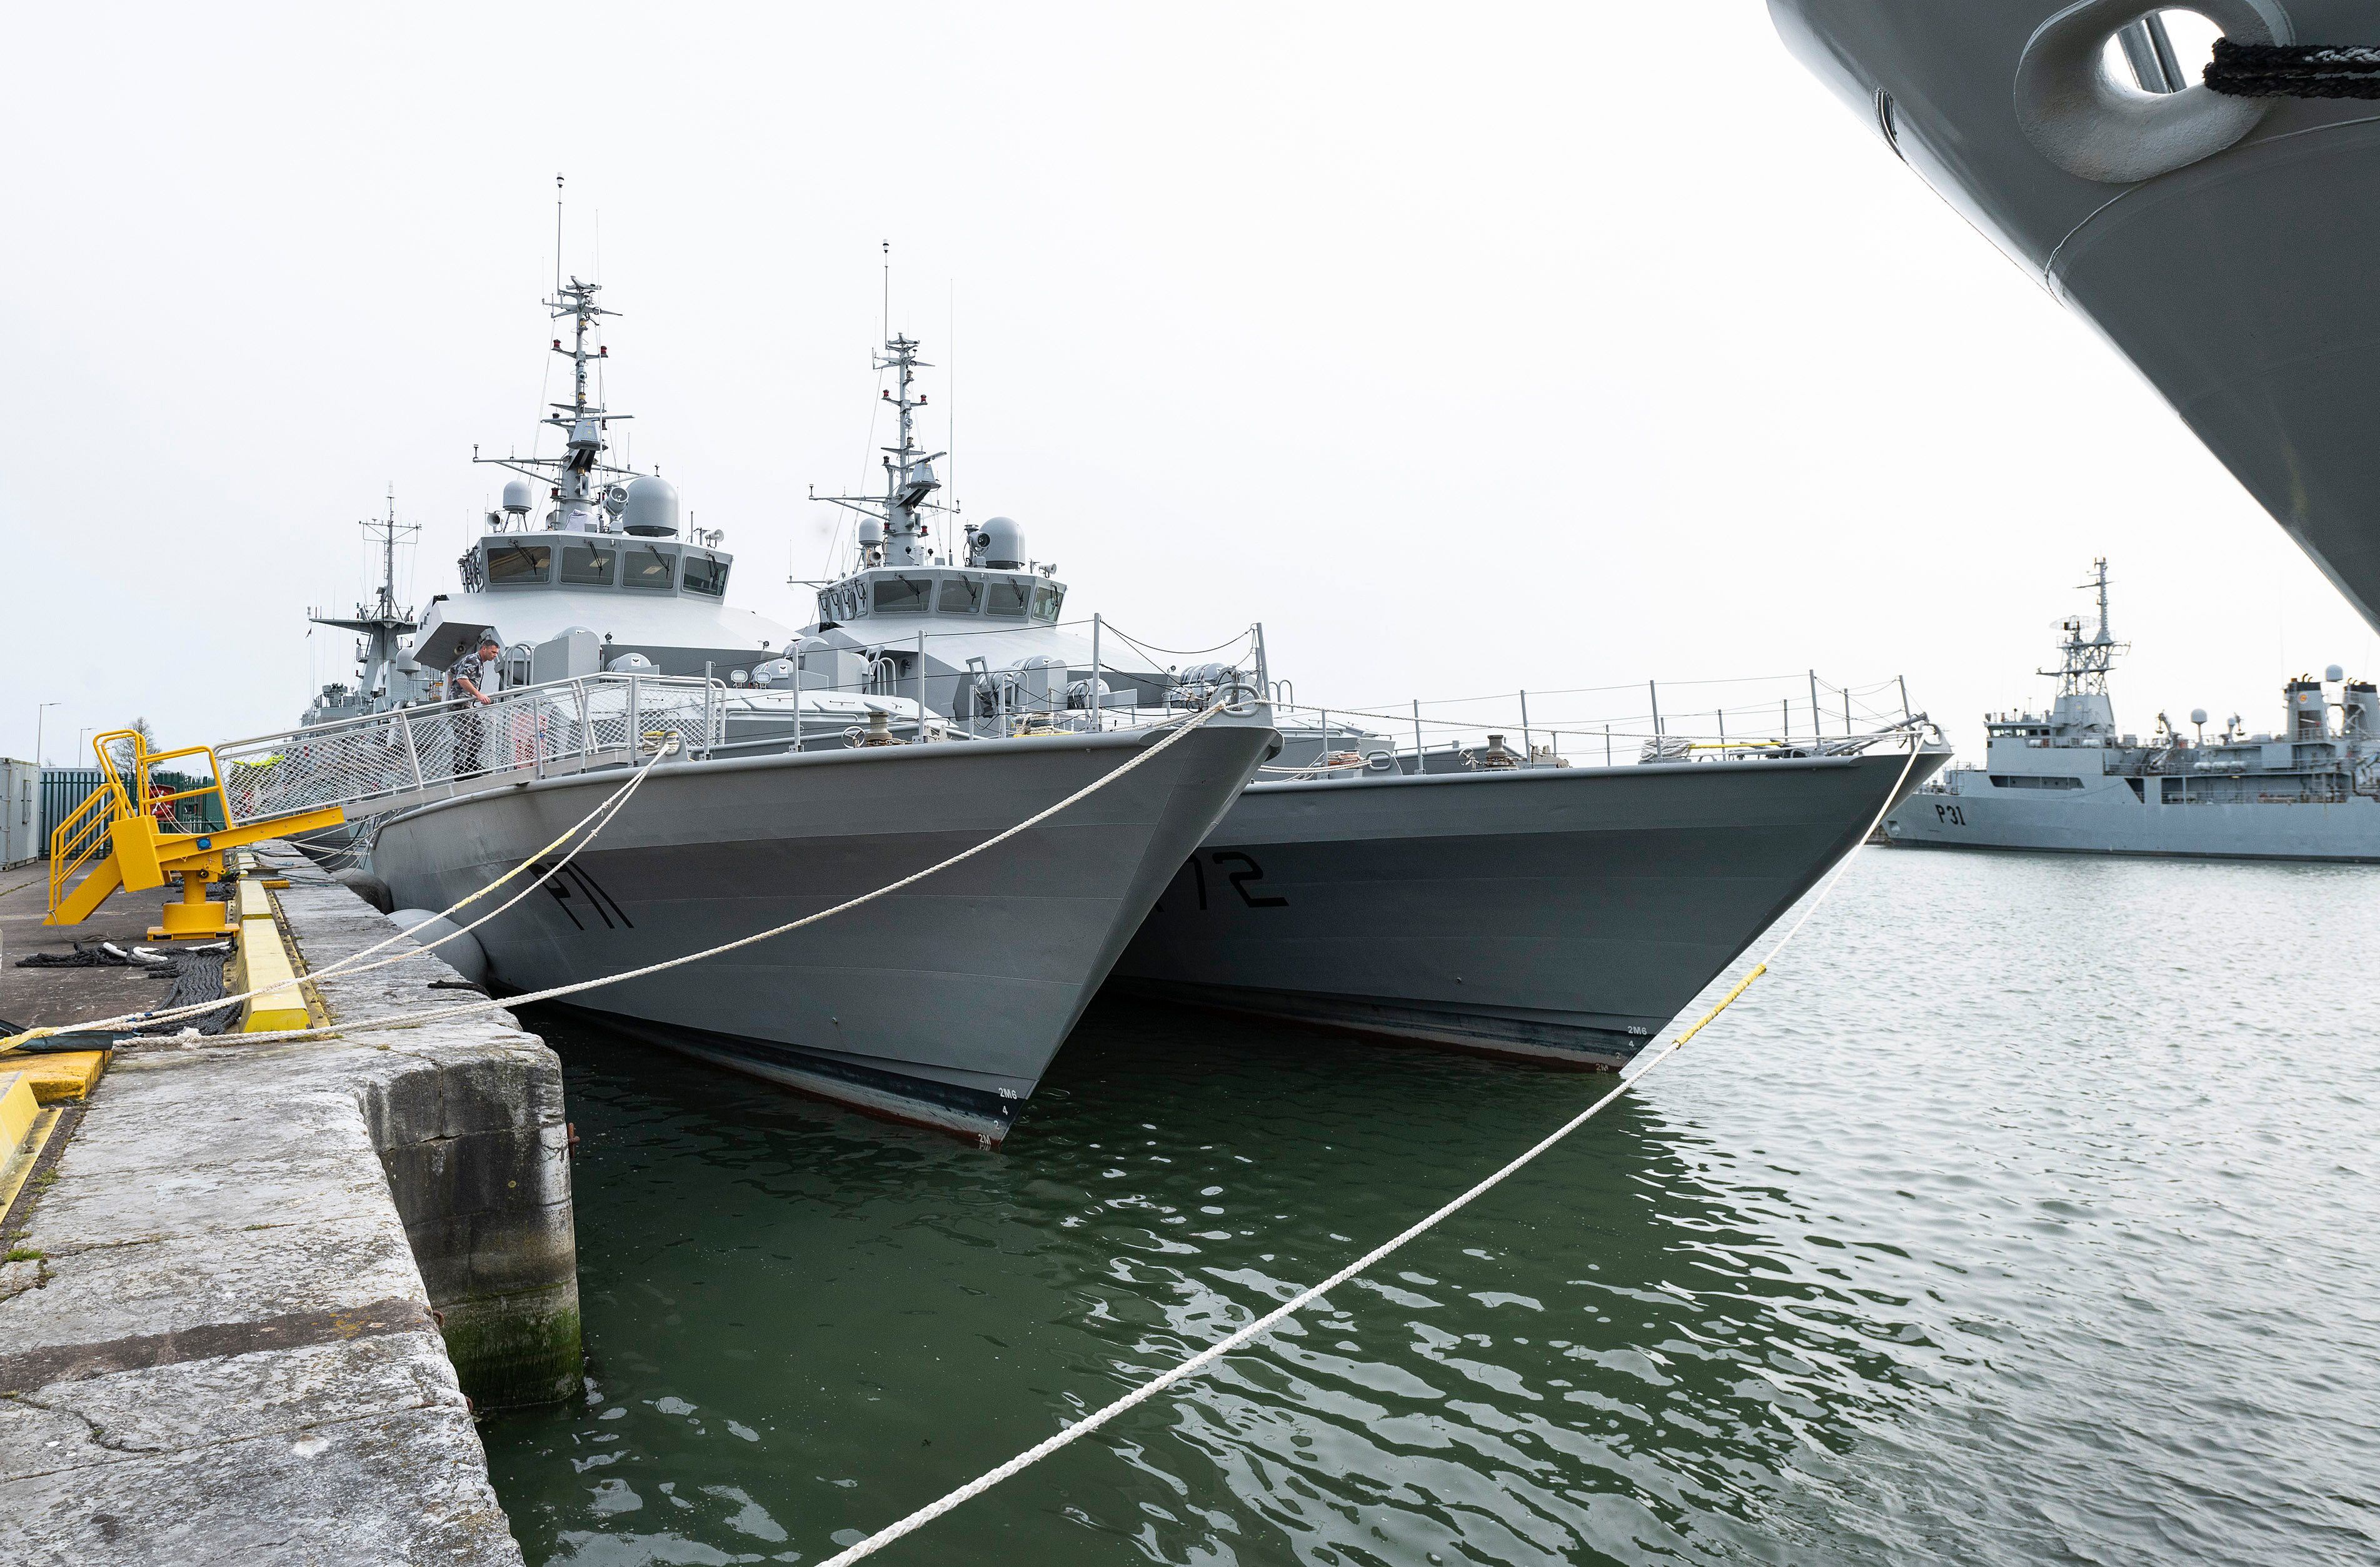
1503, 901
777, 796
2065, 778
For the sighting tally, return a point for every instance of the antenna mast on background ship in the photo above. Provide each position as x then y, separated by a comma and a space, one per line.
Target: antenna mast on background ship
909, 480
2083, 671
382, 622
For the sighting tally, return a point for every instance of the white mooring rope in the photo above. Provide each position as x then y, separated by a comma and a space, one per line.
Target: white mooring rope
1263, 1324
416, 1019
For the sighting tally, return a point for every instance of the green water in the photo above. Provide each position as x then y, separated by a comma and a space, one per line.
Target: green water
2026, 1213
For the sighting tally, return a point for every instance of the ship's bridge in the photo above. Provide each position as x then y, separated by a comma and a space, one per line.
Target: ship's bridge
944, 593
509, 561
654, 595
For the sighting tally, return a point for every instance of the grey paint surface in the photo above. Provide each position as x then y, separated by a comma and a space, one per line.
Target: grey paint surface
2238, 285
1564, 914
942, 1003
2107, 817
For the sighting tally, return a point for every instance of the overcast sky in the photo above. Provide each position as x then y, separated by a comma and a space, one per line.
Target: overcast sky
1463, 353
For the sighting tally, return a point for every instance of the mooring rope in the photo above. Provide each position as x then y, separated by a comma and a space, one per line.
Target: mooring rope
348, 967
2294, 70
417, 1019
1262, 1325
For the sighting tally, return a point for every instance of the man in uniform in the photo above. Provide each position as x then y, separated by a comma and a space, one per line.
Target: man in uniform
477, 679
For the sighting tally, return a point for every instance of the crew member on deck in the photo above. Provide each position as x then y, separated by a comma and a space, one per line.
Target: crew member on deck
479, 678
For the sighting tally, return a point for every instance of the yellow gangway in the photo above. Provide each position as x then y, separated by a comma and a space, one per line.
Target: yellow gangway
118, 833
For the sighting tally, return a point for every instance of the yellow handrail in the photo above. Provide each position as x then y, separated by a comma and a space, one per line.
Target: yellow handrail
75, 842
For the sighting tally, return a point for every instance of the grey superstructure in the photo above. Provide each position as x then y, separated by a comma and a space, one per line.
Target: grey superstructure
1494, 899
2065, 778
940, 1003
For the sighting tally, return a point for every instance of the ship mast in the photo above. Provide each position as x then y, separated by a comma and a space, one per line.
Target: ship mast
382, 622
580, 477
909, 479
2085, 662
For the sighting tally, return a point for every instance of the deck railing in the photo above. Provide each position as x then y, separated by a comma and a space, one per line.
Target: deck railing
565, 726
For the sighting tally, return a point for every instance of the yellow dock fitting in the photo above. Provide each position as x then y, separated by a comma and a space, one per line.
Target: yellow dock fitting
63, 1075
18, 1110
265, 964
193, 916
251, 900
25, 1129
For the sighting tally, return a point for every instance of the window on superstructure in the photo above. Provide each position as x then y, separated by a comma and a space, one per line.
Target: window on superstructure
651, 567
825, 609
960, 595
1004, 595
589, 565
1047, 597
515, 566
903, 595
706, 574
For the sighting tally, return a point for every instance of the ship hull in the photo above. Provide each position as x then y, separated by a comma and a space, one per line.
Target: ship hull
940, 1003
2108, 818
1561, 914
2236, 282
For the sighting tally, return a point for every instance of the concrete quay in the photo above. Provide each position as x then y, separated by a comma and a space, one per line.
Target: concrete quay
248, 1296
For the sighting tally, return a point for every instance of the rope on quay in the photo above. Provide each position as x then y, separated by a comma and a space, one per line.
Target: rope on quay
417, 1019
606, 810
1272, 1318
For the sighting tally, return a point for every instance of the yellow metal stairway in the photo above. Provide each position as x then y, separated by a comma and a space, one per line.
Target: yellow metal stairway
127, 833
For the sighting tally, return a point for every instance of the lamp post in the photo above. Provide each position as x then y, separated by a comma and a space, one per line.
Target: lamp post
41, 717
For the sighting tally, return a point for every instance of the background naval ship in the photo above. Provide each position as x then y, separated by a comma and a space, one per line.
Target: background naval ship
2067, 780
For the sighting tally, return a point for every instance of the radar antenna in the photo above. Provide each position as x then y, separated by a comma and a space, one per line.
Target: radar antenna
2084, 661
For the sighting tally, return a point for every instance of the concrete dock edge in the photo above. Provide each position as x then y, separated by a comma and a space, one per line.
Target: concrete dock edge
263, 1285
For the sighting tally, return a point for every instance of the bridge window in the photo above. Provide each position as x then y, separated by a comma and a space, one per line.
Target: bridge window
705, 574
961, 595
1004, 595
826, 609
651, 567
515, 565
1047, 597
589, 565
903, 595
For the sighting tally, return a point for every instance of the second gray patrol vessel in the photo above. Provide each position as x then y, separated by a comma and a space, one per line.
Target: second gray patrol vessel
2067, 780
1504, 902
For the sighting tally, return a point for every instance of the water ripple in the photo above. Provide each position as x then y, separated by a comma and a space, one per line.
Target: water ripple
2026, 1213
